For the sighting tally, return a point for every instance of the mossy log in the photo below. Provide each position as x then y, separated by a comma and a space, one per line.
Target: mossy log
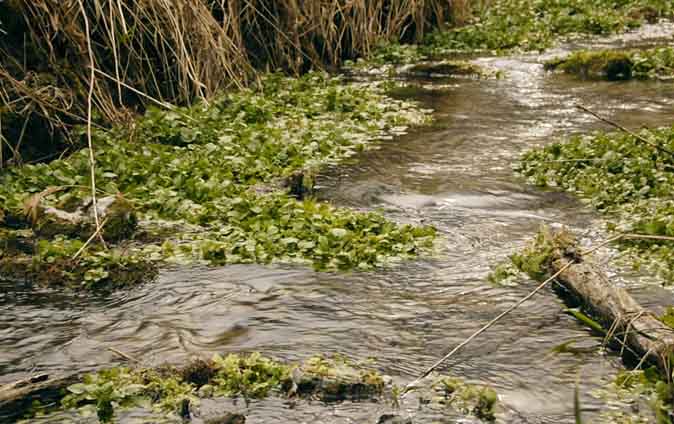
345, 384
445, 68
609, 65
616, 309
118, 214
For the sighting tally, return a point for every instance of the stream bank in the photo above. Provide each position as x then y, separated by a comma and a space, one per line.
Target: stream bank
455, 175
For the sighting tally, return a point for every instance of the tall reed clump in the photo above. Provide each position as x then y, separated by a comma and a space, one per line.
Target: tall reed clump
170, 52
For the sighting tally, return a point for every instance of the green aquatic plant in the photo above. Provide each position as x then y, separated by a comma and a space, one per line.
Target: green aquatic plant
231, 174
503, 273
53, 263
639, 386
169, 390
478, 400
668, 316
506, 25
414, 60
656, 63
620, 175
252, 376
121, 388
537, 24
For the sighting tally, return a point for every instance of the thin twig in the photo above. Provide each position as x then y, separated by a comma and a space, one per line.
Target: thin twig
123, 355
648, 237
135, 90
604, 243
90, 239
486, 327
626, 130
92, 82
512, 308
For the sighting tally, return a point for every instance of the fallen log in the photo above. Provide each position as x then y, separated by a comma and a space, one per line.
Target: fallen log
624, 318
18, 398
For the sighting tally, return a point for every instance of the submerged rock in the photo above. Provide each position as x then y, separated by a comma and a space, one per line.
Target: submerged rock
393, 419
610, 65
299, 185
334, 382
227, 419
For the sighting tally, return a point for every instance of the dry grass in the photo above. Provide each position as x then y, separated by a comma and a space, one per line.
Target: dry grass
176, 51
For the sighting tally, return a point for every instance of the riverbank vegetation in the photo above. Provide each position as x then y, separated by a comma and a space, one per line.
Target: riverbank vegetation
230, 178
536, 25
169, 52
656, 63
627, 179
501, 26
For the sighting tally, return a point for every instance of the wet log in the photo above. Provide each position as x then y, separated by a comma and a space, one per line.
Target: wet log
18, 398
445, 69
615, 309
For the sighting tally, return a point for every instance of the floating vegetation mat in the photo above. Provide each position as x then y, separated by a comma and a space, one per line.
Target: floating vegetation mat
628, 179
656, 63
220, 183
171, 393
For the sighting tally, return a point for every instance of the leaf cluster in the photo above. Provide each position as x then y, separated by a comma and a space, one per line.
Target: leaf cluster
202, 166
623, 177
478, 400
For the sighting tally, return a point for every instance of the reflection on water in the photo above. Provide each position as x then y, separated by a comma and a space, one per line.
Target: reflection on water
455, 175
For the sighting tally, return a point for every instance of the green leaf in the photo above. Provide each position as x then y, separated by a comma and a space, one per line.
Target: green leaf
338, 232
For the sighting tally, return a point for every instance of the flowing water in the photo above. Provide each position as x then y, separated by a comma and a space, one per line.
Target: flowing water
455, 175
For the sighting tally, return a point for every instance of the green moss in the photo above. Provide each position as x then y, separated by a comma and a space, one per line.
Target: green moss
478, 400
657, 63
253, 376
668, 317
170, 390
628, 180
448, 68
199, 167
420, 64
336, 379
535, 259
503, 273
120, 220
52, 263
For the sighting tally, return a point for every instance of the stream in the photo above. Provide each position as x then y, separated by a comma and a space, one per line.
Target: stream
456, 175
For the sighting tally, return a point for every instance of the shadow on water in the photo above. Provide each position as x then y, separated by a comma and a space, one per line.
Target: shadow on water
456, 175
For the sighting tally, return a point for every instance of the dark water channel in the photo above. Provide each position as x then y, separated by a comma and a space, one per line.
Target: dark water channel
455, 175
